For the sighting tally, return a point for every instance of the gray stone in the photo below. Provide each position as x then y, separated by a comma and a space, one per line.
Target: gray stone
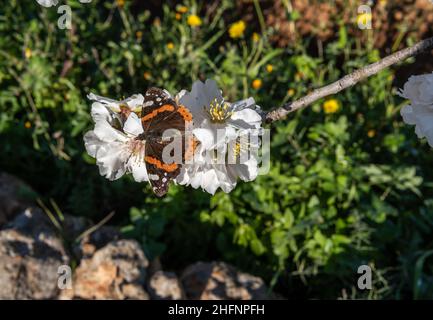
116, 271
94, 241
165, 286
30, 257
15, 196
221, 281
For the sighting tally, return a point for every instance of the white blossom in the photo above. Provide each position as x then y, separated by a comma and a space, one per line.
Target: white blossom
419, 90
226, 137
115, 144
217, 121
222, 156
48, 3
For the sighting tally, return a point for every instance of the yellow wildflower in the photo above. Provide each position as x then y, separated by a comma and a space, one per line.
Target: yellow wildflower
178, 16
291, 92
147, 75
299, 76
194, 21
371, 133
27, 125
269, 68
157, 22
170, 45
28, 53
237, 29
257, 84
182, 9
256, 37
120, 3
331, 106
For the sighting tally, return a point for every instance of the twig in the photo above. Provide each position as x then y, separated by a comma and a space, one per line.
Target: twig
95, 227
349, 80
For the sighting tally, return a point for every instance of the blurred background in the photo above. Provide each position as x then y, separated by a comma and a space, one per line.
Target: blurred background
349, 183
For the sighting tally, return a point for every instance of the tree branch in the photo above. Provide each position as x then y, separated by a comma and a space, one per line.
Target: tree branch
348, 81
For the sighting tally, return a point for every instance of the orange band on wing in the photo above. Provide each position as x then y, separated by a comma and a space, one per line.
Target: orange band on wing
164, 108
184, 112
166, 167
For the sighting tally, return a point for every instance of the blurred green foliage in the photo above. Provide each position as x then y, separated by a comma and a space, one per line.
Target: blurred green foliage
346, 188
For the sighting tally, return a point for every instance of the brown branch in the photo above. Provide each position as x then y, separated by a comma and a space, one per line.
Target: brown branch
348, 81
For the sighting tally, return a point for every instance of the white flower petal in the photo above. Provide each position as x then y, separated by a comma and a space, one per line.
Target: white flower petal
230, 134
105, 132
200, 98
179, 95
133, 125
424, 122
210, 181
205, 136
196, 179
419, 89
138, 169
418, 132
249, 170
135, 101
110, 159
48, 3
112, 104
92, 143
100, 113
408, 115
249, 116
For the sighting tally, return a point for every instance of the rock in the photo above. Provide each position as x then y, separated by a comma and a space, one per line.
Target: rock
15, 197
96, 240
79, 228
73, 226
116, 271
165, 286
218, 281
30, 257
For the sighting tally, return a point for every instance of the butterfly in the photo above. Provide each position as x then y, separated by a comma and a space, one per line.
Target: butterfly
160, 112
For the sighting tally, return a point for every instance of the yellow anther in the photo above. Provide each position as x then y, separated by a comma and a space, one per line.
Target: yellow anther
218, 112
237, 149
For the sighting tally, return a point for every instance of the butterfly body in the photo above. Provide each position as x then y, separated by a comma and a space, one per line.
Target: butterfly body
163, 121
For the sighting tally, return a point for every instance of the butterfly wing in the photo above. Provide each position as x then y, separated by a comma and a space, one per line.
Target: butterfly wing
159, 114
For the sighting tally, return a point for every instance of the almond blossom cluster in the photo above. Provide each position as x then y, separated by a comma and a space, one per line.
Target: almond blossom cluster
227, 136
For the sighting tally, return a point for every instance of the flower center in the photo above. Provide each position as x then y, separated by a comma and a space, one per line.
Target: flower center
136, 146
219, 112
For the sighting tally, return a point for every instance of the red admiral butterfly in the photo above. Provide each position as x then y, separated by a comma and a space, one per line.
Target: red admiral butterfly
159, 113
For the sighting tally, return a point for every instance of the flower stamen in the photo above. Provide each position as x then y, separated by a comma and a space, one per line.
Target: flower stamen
219, 112
240, 147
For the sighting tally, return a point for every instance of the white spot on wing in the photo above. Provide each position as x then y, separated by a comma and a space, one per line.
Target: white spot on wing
153, 177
